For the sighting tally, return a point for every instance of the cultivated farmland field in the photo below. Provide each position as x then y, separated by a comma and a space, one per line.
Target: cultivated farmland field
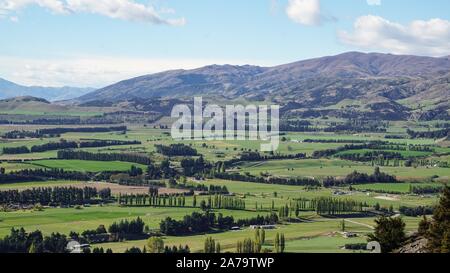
293, 179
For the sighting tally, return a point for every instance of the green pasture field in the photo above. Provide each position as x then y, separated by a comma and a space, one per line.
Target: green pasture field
12, 167
85, 165
315, 235
263, 194
30, 156
334, 167
403, 153
38, 184
64, 220
25, 142
394, 187
293, 136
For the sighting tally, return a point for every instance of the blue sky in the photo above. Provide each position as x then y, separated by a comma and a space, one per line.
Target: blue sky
98, 42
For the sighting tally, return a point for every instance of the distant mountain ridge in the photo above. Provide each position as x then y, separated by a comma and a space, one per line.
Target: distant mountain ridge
321, 81
9, 90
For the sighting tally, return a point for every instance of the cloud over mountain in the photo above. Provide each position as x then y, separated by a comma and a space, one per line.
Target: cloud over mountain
371, 32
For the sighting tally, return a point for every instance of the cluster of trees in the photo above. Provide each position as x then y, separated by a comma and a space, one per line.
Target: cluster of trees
354, 141
153, 200
16, 150
20, 241
177, 250
417, 211
96, 143
395, 137
40, 148
382, 161
213, 189
63, 144
16, 134
425, 189
126, 157
195, 166
270, 180
98, 250
371, 145
54, 196
279, 243
97, 235
416, 162
420, 148
380, 156
336, 206
270, 219
360, 178
176, 150
16, 178
211, 246
429, 134
255, 245
285, 212
156, 245
389, 232
225, 202
248, 246
126, 228
153, 172
204, 222
192, 224
254, 156
27, 175
437, 230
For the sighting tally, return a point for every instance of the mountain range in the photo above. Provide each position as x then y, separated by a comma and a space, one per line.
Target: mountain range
322, 81
9, 90
353, 84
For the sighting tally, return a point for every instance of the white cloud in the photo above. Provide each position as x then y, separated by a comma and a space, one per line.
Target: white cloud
55, 6
305, 12
94, 71
420, 37
128, 10
374, 2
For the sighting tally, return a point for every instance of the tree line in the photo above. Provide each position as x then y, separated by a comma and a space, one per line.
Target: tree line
27, 175
19, 241
255, 156
125, 157
204, 222
270, 180
416, 211
179, 200
64, 144
55, 131
360, 178
429, 134
54, 196
176, 150
16, 134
